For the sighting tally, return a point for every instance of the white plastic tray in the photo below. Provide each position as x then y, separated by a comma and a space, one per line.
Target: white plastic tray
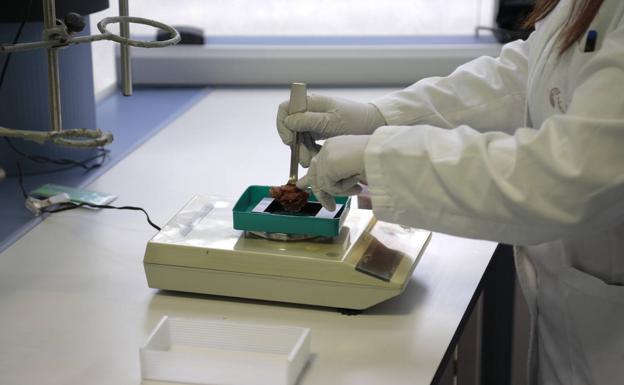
224, 353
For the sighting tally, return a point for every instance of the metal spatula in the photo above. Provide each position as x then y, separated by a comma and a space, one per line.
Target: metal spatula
298, 103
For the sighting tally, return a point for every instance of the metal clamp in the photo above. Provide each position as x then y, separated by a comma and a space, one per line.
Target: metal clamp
75, 137
58, 35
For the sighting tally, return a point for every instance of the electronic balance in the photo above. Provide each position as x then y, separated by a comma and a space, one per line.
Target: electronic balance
200, 251
256, 249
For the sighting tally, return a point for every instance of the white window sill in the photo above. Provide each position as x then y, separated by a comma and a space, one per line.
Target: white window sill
325, 63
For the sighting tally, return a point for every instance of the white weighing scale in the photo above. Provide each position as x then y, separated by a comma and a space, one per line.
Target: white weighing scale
199, 251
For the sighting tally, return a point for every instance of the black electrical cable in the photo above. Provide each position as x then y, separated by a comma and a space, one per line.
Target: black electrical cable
70, 163
71, 205
20, 179
15, 40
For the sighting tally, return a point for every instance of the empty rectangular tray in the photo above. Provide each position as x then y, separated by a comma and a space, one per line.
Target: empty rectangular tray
224, 353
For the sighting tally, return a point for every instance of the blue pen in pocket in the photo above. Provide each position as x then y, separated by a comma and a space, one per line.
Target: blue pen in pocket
591, 40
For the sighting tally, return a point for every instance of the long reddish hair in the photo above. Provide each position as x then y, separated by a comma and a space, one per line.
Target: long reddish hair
583, 12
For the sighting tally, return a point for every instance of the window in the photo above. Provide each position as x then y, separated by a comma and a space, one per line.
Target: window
322, 17
337, 42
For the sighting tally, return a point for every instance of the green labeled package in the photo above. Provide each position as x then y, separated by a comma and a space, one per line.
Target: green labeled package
75, 194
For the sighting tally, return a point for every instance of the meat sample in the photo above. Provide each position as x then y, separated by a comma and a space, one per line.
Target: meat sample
291, 198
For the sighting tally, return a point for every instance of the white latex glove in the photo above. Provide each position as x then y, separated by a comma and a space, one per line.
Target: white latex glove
325, 118
337, 169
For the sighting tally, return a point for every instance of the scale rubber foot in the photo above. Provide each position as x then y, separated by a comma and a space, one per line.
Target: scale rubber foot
350, 311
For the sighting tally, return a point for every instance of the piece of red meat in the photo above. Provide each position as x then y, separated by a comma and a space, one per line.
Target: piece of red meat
292, 198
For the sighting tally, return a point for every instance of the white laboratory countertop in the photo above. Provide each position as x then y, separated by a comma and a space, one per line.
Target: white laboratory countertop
75, 306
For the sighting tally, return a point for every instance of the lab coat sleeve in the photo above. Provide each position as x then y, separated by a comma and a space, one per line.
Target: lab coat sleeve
560, 180
486, 85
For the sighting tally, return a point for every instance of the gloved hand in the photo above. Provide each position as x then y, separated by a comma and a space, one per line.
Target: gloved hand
325, 118
337, 169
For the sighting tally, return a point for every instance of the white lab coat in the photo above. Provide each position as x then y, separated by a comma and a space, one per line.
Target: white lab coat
526, 149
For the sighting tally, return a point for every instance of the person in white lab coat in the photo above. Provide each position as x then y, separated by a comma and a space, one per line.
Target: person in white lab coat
525, 149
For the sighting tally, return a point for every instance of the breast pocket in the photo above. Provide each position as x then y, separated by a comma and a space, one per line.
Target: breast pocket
595, 328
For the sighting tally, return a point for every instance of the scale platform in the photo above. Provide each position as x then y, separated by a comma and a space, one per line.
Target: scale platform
199, 251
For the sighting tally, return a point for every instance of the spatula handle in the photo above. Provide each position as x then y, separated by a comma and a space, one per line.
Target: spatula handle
298, 103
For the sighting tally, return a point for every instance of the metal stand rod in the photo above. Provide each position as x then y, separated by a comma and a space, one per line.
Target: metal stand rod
54, 87
56, 36
126, 69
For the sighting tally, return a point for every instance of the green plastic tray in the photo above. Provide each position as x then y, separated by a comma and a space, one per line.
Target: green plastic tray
278, 222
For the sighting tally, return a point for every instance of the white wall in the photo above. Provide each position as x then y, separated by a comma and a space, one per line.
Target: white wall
104, 77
